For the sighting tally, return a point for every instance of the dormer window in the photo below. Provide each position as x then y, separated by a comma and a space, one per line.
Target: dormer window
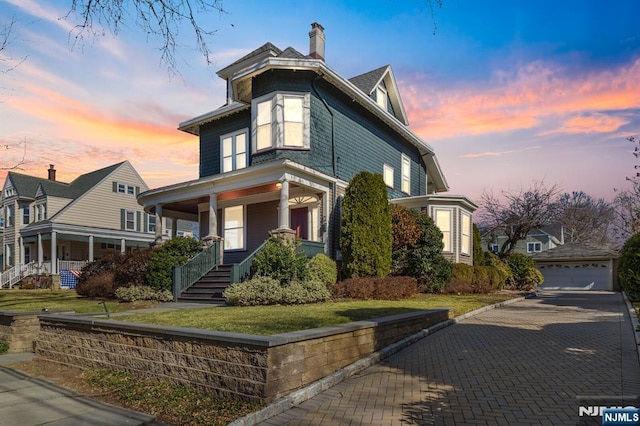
281, 121
381, 97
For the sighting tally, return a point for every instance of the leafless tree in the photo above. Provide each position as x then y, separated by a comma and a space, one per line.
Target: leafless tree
7, 63
627, 210
585, 219
515, 213
160, 19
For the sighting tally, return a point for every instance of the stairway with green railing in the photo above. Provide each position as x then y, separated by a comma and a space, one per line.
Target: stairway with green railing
186, 275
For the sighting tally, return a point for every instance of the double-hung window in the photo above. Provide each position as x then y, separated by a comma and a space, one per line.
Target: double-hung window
281, 120
26, 215
130, 220
443, 221
151, 223
466, 234
234, 228
234, 151
534, 247
406, 174
387, 175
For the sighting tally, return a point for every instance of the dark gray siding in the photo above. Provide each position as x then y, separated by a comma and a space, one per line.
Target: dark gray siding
261, 218
210, 140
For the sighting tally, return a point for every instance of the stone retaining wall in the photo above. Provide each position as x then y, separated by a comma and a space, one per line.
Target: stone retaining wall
19, 330
241, 366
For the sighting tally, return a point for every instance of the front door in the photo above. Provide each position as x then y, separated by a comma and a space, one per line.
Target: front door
300, 222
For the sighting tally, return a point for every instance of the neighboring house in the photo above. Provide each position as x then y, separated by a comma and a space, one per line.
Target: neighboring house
279, 154
537, 240
578, 266
53, 223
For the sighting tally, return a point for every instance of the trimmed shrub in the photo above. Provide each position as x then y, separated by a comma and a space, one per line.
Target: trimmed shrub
97, 285
478, 254
366, 237
322, 268
461, 279
385, 288
482, 279
143, 292
525, 274
302, 292
132, 269
502, 271
256, 291
629, 267
174, 252
280, 260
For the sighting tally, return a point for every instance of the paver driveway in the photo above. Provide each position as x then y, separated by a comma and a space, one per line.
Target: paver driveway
524, 363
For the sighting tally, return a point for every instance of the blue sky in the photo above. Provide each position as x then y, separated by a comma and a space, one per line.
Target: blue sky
505, 92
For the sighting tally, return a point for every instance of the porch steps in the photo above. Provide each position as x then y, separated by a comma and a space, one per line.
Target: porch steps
210, 287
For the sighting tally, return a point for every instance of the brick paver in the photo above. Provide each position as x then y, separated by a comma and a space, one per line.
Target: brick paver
524, 363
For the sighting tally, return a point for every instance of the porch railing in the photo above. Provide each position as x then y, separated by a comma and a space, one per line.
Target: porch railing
186, 275
242, 271
12, 276
311, 248
71, 265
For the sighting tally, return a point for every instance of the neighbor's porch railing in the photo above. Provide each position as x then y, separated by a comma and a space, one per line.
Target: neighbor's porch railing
71, 265
12, 276
186, 275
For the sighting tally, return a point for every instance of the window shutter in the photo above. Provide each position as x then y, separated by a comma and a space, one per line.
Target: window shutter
137, 191
122, 218
139, 221
115, 186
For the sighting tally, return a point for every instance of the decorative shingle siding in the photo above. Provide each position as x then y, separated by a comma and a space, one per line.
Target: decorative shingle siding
210, 140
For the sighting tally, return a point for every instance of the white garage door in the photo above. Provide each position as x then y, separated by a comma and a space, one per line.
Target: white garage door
578, 275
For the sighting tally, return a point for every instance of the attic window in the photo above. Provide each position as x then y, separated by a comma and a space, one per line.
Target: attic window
281, 121
381, 97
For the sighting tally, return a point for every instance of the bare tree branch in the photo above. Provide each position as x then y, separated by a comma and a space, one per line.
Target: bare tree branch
161, 19
6, 37
6, 148
585, 219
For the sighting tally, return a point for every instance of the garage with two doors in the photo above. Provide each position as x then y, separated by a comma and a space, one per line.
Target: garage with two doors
578, 266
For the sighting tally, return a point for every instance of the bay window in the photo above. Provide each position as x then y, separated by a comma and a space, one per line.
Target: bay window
443, 222
281, 120
466, 234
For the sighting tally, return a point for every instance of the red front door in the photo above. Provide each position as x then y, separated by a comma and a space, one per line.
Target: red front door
300, 222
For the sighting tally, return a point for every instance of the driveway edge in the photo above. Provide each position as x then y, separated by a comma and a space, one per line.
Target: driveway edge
634, 322
308, 392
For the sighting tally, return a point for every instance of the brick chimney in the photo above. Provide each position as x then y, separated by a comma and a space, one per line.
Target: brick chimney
316, 41
52, 172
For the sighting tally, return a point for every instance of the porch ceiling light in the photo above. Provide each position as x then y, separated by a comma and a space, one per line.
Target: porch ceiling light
278, 185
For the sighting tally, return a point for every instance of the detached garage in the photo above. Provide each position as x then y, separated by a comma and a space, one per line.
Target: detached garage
578, 266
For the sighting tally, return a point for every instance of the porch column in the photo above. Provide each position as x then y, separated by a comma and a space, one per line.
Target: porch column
122, 246
90, 248
284, 221
40, 250
213, 218
174, 228
158, 223
54, 252
21, 260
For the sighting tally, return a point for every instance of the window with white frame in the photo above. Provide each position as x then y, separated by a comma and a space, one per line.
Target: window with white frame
466, 234
534, 247
387, 174
26, 215
10, 215
123, 188
443, 222
381, 97
130, 220
151, 223
406, 174
281, 120
234, 228
234, 151
495, 248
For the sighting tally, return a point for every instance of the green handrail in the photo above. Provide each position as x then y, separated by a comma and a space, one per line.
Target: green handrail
186, 275
242, 271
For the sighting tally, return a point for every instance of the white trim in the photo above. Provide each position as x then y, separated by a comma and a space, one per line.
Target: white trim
244, 227
234, 155
450, 231
466, 248
277, 123
388, 175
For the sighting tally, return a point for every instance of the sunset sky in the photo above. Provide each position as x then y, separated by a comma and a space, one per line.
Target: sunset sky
505, 92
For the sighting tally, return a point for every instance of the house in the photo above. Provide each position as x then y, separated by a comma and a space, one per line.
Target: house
537, 240
278, 155
59, 226
578, 266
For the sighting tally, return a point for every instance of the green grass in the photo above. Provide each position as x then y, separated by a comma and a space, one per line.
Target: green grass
37, 300
268, 320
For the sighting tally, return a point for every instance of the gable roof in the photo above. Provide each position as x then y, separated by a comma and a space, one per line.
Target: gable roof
369, 81
25, 186
576, 251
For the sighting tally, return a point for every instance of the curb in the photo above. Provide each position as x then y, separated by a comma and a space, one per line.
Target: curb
634, 322
301, 395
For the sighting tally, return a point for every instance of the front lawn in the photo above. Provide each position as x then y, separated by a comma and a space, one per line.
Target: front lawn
38, 300
268, 320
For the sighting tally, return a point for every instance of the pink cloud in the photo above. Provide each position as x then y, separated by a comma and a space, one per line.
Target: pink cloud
529, 98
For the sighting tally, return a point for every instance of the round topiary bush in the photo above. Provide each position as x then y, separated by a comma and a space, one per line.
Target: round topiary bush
280, 260
524, 271
323, 269
629, 267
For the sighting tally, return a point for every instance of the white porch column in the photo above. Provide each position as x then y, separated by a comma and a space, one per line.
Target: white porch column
54, 252
213, 218
122, 246
284, 221
40, 250
90, 248
174, 227
159, 222
21, 260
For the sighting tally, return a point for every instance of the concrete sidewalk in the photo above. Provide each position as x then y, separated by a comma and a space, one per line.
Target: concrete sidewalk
27, 401
531, 362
